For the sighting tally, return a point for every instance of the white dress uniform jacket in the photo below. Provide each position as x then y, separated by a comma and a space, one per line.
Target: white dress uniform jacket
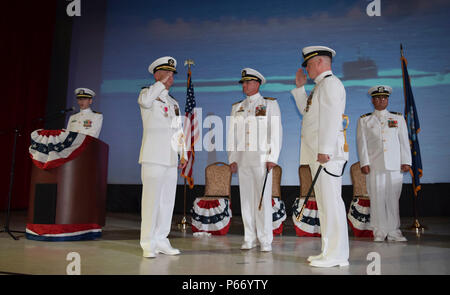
322, 132
86, 122
255, 133
383, 142
163, 137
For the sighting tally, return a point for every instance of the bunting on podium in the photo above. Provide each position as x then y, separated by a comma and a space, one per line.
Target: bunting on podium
63, 232
52, 148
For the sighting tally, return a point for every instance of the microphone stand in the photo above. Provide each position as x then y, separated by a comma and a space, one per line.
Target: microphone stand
6, 228
11, 182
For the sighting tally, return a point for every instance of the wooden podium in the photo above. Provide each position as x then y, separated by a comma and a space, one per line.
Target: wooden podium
80, 193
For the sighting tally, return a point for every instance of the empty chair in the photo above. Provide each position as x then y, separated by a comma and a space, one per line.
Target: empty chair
212, 212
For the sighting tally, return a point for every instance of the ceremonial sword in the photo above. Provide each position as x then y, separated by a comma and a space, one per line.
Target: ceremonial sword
299, 216
264, 186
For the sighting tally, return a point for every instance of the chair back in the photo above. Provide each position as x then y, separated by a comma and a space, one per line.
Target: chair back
218, 180
304, 174
276, 182
358, 181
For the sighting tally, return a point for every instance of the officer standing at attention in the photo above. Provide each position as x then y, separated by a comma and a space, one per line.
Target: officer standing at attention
323, 143
162, 145
86, 121
253, 149
384, 153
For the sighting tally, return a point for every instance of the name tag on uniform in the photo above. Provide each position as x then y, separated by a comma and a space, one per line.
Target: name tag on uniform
392, 123
240, 110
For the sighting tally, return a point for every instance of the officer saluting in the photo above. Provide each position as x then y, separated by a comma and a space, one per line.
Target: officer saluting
253, 149
162, 144
86, 121
384, 153
323, 142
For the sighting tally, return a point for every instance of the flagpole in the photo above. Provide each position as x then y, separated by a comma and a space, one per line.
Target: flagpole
416, 226
183, 224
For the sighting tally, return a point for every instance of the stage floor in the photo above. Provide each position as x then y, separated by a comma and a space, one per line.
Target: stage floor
118, 252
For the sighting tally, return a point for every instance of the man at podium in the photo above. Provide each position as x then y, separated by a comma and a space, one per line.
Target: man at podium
75, 164
86, 121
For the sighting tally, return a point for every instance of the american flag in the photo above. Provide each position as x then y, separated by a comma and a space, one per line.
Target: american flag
191, 131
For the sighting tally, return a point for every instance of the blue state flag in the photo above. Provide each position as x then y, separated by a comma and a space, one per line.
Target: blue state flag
412, 122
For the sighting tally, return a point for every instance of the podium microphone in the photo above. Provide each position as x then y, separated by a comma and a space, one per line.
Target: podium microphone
55, 115
67, 110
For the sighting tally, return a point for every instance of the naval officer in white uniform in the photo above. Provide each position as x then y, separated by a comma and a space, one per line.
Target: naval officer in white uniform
323, 143
384, 154
162, 147
86, 121
253, 143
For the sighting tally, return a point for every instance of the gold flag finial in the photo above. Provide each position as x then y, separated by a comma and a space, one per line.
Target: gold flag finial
189, 62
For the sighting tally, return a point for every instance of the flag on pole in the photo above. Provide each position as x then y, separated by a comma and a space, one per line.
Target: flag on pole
191, 131
412, 122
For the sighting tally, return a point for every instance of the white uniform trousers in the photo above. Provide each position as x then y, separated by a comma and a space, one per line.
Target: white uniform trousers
159, 183
384, 189
257, 224
331, 209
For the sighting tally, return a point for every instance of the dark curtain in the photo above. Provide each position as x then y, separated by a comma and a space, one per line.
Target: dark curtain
27, 30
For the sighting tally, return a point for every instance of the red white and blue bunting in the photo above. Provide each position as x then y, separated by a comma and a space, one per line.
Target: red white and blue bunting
278, 216
52, 148
309, 225
212, 216
359, 217
63, 232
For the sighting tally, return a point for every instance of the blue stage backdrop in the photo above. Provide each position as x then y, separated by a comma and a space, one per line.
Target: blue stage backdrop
224, 37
